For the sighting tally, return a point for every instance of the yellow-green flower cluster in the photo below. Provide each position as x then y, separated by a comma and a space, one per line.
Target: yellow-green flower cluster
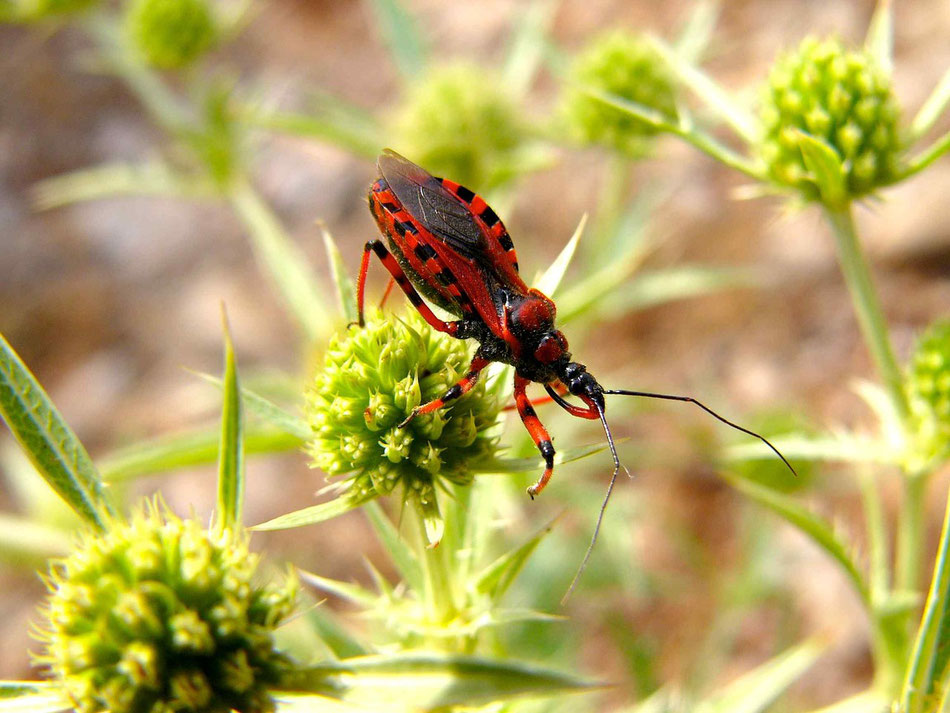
628, 66
841, 97
171, 33
928, 392
459, 122
372, 379
160, 615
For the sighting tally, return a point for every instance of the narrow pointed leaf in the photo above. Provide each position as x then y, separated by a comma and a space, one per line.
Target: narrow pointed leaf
932, 108
231, 448
879, 42
407, 564
742, 121
926, 157
188, 449
351, 592
931, 653
22, 539
549, 281
526, 47
284, 263
154, 178
332, 635
311, 515
757, 690
816, 528
268, 411
845, 448
523, 465
826, 169
402, 37
500, 574
32, 697
359, 138
429, 682
49, 442
345, 290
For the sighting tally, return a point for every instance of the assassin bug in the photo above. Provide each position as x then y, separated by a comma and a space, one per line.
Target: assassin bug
448, 244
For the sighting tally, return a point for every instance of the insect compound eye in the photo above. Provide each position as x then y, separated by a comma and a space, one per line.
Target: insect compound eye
550, 348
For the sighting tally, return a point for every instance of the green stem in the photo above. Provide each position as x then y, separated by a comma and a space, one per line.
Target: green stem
910, 535
611, 199
439, 595
926, 157
857, 274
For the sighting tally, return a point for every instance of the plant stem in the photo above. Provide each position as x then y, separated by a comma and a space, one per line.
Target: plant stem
866, 303
439, 596
911, 533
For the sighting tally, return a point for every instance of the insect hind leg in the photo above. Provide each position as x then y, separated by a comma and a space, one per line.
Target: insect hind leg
400, 278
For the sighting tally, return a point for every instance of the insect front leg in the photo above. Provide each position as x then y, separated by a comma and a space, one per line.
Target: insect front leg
539, 433
464, 385
391, 264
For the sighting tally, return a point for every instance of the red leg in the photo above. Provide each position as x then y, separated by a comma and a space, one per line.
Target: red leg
538, 433
464, 385
391, 264
389, 288
560, 388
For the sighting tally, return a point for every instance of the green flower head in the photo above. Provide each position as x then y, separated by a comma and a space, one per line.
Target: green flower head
372, 379
628, 66
841, 97
159, 614
928, 392
459, 122
41, 9
171, 34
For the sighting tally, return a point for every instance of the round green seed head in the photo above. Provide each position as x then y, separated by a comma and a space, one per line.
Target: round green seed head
372, 379
160, 614
171, 34
628, 66
928, 390
459, 122
841, 97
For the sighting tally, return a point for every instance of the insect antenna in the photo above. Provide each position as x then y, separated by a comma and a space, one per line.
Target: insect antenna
690, 399
603, 505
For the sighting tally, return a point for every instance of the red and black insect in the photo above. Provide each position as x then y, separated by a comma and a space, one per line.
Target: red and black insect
448, 244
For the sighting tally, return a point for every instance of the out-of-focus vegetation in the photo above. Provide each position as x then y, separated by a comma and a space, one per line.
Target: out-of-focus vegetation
687, 603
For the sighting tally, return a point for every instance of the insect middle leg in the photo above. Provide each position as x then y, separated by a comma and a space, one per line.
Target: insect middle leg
539, 433
395, 269
464, 385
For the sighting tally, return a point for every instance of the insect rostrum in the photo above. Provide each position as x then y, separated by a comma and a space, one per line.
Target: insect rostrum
446, 243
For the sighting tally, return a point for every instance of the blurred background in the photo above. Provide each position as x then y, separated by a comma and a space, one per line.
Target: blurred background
112, 301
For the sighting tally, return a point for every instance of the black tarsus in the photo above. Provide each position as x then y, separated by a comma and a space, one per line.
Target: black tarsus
690, 399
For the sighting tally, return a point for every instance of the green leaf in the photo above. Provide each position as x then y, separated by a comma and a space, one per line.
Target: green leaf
351, 592
153, 178
345, 290
741, 121
48, 441
843, 447
429, 682
362, 137
926, 157
816, 528
284, 263
931, 654
694, 38
311, 515
28, 540
32, 697
268, 410
402, 555
500, 574
757, 690
526, 46
523, 465
826, 169
402, 37
549, 281
332, 635
932, 108
869, 701
231, 450
879, 42
191, 448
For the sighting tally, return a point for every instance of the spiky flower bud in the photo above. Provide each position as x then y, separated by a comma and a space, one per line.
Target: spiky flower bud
928, 392
171, 33
628, 66
372, 379
159, 614
838, 96
458, 121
